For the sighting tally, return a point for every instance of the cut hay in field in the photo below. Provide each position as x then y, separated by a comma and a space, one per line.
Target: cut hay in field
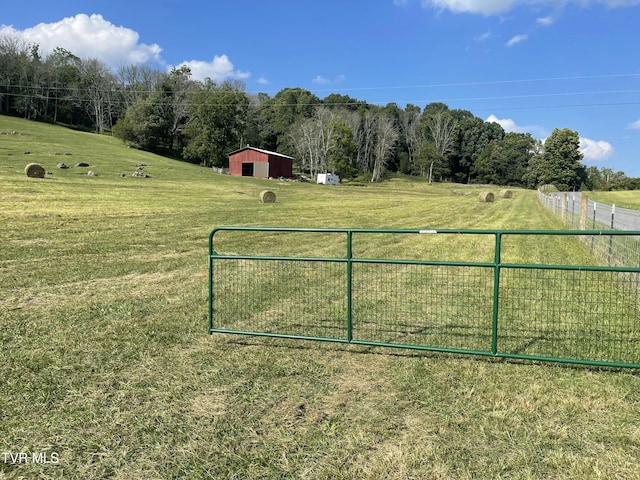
267, 196
506, 193
34, 170
486, 197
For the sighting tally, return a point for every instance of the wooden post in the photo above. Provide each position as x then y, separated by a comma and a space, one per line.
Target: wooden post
583, 212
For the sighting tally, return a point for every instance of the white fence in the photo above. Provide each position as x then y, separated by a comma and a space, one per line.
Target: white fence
583, 214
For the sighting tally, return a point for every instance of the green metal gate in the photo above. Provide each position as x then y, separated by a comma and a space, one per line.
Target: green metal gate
399, 291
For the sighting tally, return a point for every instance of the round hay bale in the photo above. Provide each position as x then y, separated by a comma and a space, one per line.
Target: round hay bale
34, 170
267, 196
506, 193
486, 197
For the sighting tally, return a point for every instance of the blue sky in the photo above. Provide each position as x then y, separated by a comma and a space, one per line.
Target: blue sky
530, 65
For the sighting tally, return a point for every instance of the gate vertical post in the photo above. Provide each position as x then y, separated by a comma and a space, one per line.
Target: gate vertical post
211, 252
210, 293
496, 292
349, 287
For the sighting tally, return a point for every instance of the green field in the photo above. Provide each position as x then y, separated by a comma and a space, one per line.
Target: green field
106, 363
625, 199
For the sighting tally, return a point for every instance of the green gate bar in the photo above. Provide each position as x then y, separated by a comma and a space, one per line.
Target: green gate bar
585, 314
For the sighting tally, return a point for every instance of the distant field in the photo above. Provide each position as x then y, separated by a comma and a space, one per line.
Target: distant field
625, 199
105, 360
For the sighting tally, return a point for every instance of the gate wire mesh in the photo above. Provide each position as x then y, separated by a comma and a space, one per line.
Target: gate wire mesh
282, 297
441, 306
590, 316
566, 313
614, 250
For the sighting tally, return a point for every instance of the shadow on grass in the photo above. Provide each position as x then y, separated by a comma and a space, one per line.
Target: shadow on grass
410, 353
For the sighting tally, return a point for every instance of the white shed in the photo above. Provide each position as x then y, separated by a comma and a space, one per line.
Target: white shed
328, 179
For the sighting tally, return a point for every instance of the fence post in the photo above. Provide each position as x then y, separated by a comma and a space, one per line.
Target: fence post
564, 207
584, 205
593, 224
613, 214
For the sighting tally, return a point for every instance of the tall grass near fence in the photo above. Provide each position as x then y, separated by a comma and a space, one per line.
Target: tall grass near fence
105, 359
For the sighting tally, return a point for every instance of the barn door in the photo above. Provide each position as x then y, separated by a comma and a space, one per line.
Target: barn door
261, 169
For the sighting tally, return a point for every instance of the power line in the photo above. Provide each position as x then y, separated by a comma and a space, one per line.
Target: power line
360, 103
405, 87
491, 82
541, 95
548, 107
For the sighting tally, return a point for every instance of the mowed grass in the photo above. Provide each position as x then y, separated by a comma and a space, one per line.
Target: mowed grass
625, 199
105, 360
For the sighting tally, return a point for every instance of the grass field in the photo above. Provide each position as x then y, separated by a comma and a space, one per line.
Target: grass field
107, 368
625, 199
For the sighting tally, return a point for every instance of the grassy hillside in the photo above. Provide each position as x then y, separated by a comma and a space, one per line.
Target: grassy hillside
625, 199
105, 359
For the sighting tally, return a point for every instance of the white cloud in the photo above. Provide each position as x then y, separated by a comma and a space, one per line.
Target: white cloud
89, 37
498, 7
596, 150
617, 3
482, 7
219, 69
634, 125
483, 37
517, 39
506, 123
263, 81
320, 80
545, 21
509, 125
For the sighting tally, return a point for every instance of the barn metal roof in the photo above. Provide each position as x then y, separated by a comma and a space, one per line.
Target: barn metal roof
268, 152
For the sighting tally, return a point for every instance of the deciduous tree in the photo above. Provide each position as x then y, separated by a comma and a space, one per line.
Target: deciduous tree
218, 116
505, 162
442, 129
386, 138
409, 130
561, 161
282, 111
98, 88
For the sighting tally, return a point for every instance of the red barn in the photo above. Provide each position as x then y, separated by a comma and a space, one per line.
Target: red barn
255, 162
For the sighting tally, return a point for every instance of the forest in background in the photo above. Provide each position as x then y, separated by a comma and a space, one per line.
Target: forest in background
203, 121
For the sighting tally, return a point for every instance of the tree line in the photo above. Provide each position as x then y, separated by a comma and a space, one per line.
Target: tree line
203, 121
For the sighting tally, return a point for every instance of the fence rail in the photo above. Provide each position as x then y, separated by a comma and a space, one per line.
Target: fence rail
586, 314
580, 212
